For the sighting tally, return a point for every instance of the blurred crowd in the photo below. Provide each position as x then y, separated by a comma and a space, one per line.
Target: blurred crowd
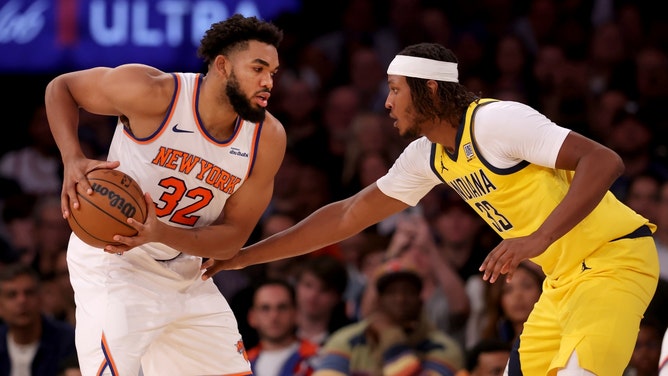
598, 67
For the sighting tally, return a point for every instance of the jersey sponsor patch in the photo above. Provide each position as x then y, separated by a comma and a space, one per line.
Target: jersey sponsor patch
468, 151
237, 151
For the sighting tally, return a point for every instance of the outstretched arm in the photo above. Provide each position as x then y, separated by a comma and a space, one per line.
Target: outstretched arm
327, 225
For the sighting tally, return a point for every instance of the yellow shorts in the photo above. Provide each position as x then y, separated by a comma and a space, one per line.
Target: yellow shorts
594, 310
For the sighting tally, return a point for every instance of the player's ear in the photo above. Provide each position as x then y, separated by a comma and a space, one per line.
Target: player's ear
222, 65
433, 86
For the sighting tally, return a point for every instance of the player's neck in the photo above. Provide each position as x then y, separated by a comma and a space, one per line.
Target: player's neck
215, 111
441, 132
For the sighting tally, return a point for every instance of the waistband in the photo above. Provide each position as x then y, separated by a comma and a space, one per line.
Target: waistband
169, 259
640, 232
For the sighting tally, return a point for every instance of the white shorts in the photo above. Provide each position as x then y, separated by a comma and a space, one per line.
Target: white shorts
134, 312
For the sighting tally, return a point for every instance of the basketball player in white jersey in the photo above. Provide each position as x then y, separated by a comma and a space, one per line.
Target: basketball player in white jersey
205, 151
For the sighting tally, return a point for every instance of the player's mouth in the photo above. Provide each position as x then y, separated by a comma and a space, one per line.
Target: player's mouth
394, 124
262, 99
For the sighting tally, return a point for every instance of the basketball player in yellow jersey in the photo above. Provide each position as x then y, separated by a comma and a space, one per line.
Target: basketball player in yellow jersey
205, 152
542, 187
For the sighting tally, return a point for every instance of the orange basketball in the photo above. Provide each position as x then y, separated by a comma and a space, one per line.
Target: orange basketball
116, 197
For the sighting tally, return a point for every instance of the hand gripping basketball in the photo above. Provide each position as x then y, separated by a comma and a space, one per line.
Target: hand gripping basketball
116, 197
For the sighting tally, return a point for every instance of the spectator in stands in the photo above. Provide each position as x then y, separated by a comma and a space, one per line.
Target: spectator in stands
19, 224
447, 305
509, 304
395, 339
643, 195
36, 166
52, 233
463, 240
31, 343
647, 352
486, 358
321, 283
367, 76
274, 316
631, 138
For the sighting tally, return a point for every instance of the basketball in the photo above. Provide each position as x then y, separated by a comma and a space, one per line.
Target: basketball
116, 197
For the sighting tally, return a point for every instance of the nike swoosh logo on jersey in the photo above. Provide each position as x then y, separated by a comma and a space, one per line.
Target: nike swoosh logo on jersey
178, 130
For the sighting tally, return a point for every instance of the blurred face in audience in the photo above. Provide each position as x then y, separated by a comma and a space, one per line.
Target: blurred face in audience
491, 363
647, 351
273, 315
314, 299
457, 225
520, 295
643, 195
20, 301
401, 301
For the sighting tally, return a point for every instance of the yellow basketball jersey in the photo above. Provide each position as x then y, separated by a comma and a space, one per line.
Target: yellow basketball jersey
515, 201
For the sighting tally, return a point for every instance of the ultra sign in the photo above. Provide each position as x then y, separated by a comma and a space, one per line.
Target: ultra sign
58, 35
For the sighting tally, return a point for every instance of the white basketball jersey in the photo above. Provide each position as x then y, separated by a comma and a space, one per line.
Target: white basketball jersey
188, 173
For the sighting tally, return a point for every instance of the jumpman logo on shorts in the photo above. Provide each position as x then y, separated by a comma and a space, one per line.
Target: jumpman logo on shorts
584, 266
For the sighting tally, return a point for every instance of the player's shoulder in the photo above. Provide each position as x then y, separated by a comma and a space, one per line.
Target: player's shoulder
273, 126
499, 117
503, 108
141, 79
272, 120
419, 146
140, 70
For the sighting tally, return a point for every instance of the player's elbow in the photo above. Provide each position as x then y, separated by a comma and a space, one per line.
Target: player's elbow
617, 164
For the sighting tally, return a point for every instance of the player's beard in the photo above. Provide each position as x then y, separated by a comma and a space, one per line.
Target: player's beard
415, 130
241, 104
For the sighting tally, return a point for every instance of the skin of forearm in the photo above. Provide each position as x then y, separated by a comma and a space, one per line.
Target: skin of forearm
301, 238
327, 225
219, 241
593, 176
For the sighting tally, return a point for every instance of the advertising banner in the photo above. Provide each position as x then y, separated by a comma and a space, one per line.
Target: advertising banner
43, 36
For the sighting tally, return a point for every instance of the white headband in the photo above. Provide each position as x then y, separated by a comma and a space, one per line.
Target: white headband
411, 66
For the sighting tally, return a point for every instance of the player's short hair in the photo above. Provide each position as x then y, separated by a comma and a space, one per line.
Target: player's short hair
235, 33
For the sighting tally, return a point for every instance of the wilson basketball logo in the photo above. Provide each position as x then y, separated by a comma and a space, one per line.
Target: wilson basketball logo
115, 200
104, 213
